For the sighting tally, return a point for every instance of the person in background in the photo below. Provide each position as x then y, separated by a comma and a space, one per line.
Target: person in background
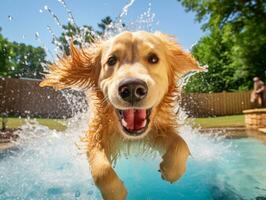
258, 93
264, 94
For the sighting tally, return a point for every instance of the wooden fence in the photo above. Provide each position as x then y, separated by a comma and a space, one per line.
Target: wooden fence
215, 104
22, 97
25, 98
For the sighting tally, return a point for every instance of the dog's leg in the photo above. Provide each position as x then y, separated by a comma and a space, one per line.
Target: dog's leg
173, 164
111, 187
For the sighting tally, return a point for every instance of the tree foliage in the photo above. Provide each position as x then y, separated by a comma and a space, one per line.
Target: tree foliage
69, 31
20, 60
75, 33
103, 25
235, 46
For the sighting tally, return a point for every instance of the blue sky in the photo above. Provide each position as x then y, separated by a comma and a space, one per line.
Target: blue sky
20, 19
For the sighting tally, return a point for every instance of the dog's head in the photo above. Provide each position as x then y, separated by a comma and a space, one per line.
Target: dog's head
134, 71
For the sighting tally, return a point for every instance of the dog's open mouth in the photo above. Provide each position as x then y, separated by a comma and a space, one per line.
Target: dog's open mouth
134, 121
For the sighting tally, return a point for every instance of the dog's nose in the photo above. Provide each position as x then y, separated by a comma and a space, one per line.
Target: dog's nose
132, 90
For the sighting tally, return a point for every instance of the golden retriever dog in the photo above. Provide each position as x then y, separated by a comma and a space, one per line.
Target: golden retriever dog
131, 82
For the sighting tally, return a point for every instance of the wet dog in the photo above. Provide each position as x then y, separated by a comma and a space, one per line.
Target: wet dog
131, 81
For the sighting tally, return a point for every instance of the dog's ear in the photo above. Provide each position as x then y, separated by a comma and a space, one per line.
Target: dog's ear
181, 62
80, 69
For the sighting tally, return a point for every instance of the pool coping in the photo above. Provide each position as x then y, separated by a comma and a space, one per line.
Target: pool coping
238, 128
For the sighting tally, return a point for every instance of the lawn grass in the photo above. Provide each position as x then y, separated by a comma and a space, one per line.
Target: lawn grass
225, 121
211, 122
56, 124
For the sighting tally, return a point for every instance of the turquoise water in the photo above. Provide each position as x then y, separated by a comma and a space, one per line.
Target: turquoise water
49, 166
241, 176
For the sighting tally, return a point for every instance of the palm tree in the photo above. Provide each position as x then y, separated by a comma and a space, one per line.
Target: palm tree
103, 25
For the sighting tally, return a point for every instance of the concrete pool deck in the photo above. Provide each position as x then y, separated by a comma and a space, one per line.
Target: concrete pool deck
236, 132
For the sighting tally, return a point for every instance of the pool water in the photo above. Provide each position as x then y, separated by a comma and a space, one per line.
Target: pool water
48, 165
241, 176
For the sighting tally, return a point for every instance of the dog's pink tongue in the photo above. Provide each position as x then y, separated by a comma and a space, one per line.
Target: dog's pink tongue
140, 117
135, 119
128, 116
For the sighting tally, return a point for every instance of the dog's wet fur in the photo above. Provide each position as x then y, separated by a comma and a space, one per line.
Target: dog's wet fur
131, 82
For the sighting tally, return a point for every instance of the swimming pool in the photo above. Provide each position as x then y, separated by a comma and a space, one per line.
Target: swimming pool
241, 176
48, 165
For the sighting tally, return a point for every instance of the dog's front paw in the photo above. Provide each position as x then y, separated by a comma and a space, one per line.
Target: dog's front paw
112, 187
170, 171
115, 191
121, 191
174, 161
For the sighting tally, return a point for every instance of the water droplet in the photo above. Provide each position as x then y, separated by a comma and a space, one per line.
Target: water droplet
37, 35
10, 18
45, 7
41, 11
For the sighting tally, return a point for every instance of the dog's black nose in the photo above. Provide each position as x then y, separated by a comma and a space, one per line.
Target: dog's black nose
132, 90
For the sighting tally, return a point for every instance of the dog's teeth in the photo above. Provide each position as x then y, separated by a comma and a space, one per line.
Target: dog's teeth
124, 123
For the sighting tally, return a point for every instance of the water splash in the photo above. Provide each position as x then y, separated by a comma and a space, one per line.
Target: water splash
68, 11
206, 147
56, 42
56, 19
125, 9
46, 164
145, 21
52, 165
118, 25
47, 50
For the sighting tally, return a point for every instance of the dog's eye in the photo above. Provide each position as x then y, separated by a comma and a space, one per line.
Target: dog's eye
153, 58
112, 61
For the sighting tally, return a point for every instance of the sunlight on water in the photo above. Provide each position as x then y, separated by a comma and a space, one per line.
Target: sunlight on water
206, 147
47, 164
